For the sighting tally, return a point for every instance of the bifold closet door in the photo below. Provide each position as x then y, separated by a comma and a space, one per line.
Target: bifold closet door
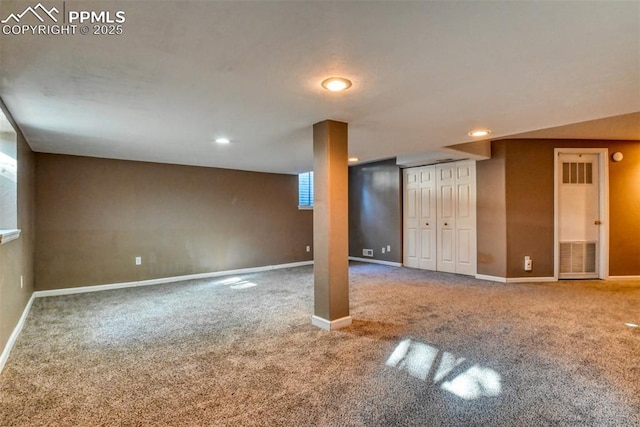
446, 208
439, 217
411, 216
420, 218
465, 195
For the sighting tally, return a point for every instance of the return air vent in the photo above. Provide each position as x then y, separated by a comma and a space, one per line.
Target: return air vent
367, 252
577, 257
577, 173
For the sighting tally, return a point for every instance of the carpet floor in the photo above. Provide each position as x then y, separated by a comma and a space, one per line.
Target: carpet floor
424, 349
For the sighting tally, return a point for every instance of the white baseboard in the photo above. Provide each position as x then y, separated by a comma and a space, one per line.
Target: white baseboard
375, 261
491, 278
97, 288
530, 279
623, 278
515, 279
330, 325
14, 335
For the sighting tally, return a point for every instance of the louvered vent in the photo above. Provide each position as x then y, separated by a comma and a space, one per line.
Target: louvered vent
577, 257
577, 173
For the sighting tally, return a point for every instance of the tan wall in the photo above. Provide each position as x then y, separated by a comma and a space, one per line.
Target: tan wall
491, 213
529, 201
94, 216
16, 257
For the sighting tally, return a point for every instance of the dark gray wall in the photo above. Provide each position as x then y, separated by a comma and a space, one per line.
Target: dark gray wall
375, 210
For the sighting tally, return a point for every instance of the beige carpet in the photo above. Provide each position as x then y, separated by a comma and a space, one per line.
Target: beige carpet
425, 349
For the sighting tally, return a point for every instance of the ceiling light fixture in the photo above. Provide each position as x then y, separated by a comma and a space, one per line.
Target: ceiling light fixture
353, 159
223, 140
479, 133
336, 84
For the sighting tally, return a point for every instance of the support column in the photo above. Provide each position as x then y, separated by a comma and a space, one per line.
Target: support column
330, 225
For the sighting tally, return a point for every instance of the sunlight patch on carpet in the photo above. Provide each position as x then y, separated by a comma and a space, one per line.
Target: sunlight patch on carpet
454, 374
235, 283
243, 285
229, 281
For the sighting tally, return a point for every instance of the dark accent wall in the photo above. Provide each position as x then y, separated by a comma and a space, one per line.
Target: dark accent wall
375, 210
94, 216
16, 257
529, 197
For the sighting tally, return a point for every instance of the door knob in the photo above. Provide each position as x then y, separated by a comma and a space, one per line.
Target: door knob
596, 222
445, 224
427, 224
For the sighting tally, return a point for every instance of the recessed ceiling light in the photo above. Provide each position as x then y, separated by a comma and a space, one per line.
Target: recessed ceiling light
479, 132
353, 159
223, 140
336, 84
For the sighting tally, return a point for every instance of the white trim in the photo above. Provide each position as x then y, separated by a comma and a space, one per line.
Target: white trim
603, 184
14, 335
97, 288
375, 261
623, 278
8, 235
491, 278
530, 279
329, 325
515, 279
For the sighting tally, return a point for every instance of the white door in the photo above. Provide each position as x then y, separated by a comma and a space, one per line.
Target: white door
439, 217
446, 208
465, 218
411, 218
578, 215
419, 218
428, 218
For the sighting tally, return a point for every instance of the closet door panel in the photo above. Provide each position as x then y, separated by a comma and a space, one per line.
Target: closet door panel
411, 206
465, 218
428, 214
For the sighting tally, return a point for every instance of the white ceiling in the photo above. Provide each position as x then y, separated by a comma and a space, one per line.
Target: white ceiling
424, 74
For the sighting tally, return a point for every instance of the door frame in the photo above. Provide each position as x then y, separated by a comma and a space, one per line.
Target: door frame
603, 196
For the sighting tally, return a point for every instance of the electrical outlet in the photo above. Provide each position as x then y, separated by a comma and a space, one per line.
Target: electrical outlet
138, 260
388, 248
528, 263
367, 252
21, 282
383, 250
308, 248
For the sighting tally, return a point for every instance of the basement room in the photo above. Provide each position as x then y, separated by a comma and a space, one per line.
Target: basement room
319, 213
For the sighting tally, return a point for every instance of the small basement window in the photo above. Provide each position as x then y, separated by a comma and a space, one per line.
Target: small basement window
8, 181
305, 190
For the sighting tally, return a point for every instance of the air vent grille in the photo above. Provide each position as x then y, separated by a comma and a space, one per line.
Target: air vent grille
577, 257
577, 173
